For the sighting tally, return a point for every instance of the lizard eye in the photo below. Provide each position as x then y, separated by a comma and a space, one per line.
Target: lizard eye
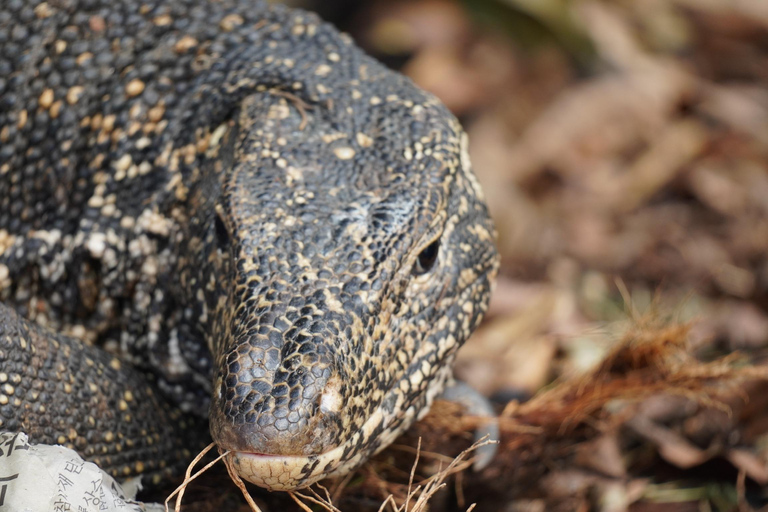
222, 235
426, 259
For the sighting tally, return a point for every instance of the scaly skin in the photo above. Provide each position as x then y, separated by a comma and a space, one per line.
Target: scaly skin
273, 229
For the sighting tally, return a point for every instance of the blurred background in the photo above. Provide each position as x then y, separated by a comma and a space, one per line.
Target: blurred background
623, 149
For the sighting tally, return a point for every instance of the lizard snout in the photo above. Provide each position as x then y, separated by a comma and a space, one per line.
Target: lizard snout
298, 413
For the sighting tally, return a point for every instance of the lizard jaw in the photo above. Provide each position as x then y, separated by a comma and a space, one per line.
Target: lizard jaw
281, 472
291, 472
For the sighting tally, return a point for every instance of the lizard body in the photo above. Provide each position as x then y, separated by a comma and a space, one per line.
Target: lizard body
248, 214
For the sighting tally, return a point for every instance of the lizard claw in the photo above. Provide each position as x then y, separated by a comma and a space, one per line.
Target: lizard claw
477, 405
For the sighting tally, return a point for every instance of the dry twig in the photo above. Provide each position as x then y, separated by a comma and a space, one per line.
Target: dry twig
179, 492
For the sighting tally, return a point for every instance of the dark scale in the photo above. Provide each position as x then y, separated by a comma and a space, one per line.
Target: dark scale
255, 222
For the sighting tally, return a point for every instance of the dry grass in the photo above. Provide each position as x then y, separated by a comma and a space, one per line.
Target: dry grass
415, 500
188, 477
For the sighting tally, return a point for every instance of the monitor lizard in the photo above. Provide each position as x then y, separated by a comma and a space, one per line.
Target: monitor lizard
224, 209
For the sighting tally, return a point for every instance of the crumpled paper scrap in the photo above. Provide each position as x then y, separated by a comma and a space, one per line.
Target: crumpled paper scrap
45, 478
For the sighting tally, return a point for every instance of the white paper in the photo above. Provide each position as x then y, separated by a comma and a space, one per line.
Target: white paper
44, 478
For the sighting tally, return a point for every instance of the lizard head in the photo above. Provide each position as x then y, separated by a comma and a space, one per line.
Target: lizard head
353, 255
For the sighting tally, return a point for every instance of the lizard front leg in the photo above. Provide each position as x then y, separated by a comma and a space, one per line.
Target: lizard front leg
60, 391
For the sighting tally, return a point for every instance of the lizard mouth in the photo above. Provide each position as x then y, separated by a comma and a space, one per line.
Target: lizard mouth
289, 472
284, 472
